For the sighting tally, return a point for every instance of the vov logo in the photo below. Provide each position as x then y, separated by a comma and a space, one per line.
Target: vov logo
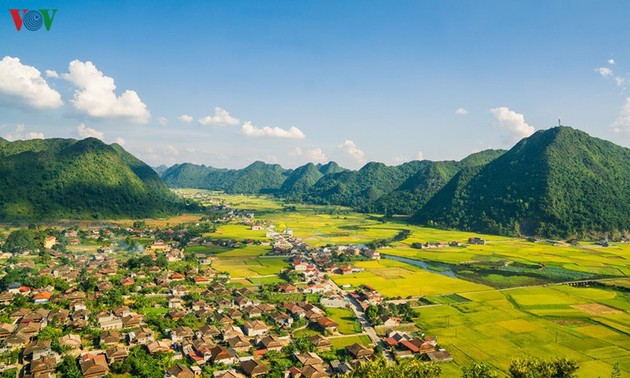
33, 19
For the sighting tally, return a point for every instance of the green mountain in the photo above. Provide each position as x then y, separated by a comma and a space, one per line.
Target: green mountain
330, 168
300, 180
559, 182
418, 189
66, 178
257, 178
360, 189
160, 169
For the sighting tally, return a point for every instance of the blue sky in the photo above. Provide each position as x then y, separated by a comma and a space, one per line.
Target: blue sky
351, 81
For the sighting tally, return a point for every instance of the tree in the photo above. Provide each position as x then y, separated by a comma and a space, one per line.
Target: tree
478, 370
21, 240
69, 368
407, 368
143, 364
539, 368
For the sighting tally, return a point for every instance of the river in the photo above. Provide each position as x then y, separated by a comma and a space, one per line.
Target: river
444, 270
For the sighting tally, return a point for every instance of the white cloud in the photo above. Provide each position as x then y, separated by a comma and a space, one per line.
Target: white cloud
221, 118
52, 74
611, 61
18, 134
314, 155
604, 71
622, 122
250, 130
185, 118
404, 158
461, 111
86, 132
512, 122
120, 141
171, 150
353, 150
95, 95
399, 159
35, 135
608, 73
25, 85
162, 121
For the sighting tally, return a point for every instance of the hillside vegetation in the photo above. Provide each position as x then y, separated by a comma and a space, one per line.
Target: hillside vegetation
66, 178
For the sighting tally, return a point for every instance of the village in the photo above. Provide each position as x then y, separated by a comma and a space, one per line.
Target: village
125, 308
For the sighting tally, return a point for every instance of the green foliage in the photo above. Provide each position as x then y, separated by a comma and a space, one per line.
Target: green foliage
538, 368
478, 370
142, 364
55, 178
9, 373
418, 189
23, 240
300, 180
69, 368
407, 368
257, 178
557, 183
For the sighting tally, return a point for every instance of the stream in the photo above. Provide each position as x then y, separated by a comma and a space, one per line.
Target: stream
444, 270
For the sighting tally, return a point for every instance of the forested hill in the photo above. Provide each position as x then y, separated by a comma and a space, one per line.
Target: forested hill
559, 182
65, 178
400, 189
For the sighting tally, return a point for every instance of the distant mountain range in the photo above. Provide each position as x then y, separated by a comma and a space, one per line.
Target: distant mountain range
65, 178
559, 182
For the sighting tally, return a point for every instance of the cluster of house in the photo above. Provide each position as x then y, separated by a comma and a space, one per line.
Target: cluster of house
240, 328
236, 326
403, 345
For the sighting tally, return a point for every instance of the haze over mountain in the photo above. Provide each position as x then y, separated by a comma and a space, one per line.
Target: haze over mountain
66, 178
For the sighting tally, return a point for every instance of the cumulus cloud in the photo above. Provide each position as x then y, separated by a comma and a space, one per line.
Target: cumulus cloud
404, 158
315, 155
162, 121
604, 71
250, 130
87, 132
25, 85
513, 123
608, 73
18, 134
171, 150
461, 111
622, 122
52, 74
96, 98
221, 117
350, 148
185, 118
120, 141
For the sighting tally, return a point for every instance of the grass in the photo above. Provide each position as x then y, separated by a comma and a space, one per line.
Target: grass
246, 267
342, 342
345, 318
496, 326
397, 279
